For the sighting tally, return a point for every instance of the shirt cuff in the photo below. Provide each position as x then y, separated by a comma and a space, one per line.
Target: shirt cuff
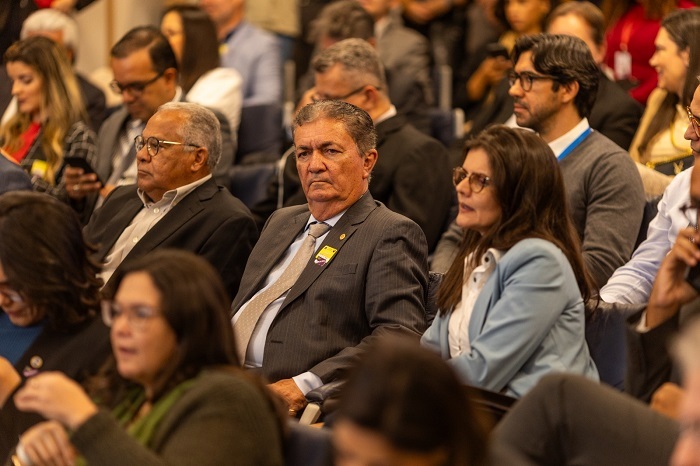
307, 381
642, 324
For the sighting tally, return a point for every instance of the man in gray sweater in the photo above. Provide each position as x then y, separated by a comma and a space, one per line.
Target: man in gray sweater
553, 85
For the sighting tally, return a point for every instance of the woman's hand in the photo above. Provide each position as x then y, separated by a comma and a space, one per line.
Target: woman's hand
9, 380
56, 397
46, 444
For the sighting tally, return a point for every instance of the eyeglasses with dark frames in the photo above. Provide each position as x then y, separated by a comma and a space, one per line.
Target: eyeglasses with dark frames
135, 89
9, 293
526, 79
318, 97
477, 181
153, 145
693, 121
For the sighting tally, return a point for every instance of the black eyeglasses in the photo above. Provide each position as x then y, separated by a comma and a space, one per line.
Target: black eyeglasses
153, 145
691, 214
526, 79
693, 121
477, 181
318, 97
134, 89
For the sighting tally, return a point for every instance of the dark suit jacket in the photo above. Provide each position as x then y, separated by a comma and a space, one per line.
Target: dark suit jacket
77, 354
375, 284
209, 222
614, 114
12, 177
412, 177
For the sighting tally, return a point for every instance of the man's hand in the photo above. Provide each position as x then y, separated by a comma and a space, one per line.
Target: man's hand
9, 380
667, 400
290, 393
78, 183
671, 290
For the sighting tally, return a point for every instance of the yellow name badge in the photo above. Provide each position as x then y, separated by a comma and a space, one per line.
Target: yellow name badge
325, 255
39, 168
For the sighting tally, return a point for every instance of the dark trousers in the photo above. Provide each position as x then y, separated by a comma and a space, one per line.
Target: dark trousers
569, 420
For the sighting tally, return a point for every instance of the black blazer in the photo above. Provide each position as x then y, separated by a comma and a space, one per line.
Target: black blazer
209, 222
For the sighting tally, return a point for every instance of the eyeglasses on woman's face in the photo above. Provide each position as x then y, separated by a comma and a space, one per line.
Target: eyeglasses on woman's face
477, 181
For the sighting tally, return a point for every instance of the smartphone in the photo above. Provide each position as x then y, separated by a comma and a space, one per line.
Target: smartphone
496, 49
694, 277
79, 162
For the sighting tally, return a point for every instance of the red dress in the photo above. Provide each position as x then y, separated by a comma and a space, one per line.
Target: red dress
637, 34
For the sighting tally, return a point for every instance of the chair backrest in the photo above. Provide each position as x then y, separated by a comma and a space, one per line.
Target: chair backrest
249, 182
260, 133
651, 208
605, 336
307, 446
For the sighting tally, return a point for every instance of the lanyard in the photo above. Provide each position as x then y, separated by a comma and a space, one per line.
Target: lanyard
574, 144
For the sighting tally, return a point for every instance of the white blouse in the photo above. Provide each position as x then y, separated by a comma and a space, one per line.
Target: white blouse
458, 327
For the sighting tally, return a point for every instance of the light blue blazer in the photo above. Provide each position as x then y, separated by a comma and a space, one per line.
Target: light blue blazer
527, 321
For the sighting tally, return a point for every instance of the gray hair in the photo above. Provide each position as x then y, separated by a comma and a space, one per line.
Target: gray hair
50, 19
357, 122
359, 60
201, 128
342, 20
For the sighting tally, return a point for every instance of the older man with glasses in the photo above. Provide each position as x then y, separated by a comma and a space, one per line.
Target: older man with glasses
146, 76
175, 203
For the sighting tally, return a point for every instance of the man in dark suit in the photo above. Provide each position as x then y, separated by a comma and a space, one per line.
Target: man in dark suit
175, 202
146, 75
412, 175
304, 319
12, 177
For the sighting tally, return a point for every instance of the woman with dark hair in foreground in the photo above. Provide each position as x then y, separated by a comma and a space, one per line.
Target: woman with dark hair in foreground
177, 396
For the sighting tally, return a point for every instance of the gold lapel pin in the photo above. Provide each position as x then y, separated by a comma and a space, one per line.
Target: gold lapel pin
342, 237
36, 362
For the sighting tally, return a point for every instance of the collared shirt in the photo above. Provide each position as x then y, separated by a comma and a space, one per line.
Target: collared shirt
386, 115
632, 283
380, 26
256, 347
458, 326
150, 215
560, 144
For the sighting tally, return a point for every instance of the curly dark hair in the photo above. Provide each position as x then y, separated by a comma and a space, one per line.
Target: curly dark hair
46, 259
